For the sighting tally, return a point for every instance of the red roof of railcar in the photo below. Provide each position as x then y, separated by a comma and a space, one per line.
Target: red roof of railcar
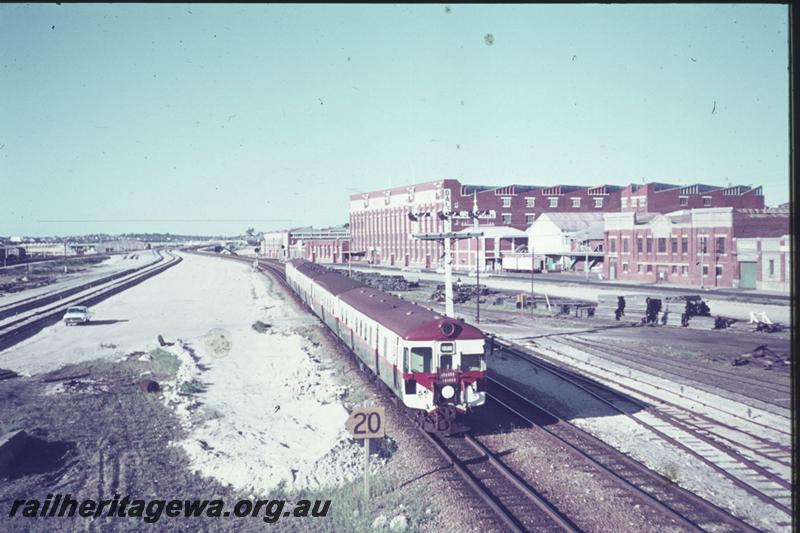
409, 320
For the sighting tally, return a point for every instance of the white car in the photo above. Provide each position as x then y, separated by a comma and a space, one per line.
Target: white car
77, 315
484, 274
440, 270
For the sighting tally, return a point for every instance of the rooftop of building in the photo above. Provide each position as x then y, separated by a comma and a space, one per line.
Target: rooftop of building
571, 221
496, 232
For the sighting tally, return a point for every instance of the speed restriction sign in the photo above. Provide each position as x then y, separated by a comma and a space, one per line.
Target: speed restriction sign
367, 423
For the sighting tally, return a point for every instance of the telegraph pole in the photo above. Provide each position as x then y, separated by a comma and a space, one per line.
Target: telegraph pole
533, 261
448, 266
702, 251
446, 238
586, 264
477, 259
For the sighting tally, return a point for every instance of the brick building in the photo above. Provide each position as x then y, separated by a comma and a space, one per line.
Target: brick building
765, 263
381, 228
687, 247
666, 198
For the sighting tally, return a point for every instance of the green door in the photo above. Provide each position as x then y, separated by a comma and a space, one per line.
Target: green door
747, 275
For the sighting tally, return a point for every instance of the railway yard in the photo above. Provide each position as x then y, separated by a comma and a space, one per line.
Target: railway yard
202, 374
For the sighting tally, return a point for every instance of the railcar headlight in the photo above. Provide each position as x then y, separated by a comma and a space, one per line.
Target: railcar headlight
448, 392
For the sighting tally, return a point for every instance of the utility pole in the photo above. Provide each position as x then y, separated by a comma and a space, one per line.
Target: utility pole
448, 261
586, 265
533, 301
477, 259
702, 251
446, 238
65, 257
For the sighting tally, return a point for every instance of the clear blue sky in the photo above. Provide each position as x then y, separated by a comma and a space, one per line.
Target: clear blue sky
252, 112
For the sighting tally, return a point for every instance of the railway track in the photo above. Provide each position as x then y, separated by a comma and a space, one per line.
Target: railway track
515, 504
743, 385
519, 507
682, 431
32, 302
17, 327
508, 495
753, 436
685, 508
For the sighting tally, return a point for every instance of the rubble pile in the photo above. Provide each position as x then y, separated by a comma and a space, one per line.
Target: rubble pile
763, 355
384, 282
462, 293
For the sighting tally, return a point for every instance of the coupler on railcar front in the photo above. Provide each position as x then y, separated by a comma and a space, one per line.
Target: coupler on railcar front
451, 405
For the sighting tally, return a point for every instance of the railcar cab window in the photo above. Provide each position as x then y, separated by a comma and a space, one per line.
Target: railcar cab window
421, 359
471, 361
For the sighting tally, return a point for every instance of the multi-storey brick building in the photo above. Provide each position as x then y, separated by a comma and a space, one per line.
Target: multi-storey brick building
666, 198
687, 247
380, 225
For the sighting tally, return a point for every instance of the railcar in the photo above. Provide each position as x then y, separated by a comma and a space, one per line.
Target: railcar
434, 365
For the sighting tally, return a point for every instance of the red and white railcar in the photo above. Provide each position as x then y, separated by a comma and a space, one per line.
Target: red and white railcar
434, 364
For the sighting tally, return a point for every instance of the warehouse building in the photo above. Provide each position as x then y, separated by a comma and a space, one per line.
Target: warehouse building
487, 250
697, 247
382, 229
325, 245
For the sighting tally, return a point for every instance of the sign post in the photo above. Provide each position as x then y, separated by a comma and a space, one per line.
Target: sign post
366, 423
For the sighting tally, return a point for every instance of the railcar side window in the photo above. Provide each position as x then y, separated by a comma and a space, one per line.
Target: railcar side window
421, 359
471, 361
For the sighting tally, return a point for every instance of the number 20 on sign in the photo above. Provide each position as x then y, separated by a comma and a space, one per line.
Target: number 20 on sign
366, 423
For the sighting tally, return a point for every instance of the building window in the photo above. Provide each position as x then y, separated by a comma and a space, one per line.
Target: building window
772, 268
718, 270
684, 245
642, 201
639, 268
685, 270
703, 245
553, 202
625, 245
706, 201
639, 244
529, 219
721, 245
506, 218
649, 245
613, 245
674, 269
705, 270
674, 243
625, 267
506, 201
623, 202
455, 205
530, 202
576, 202
662, 245
684, 201
598, 203
649, 269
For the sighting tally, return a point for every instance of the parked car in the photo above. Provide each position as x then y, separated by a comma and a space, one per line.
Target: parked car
77, 315
484, 274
